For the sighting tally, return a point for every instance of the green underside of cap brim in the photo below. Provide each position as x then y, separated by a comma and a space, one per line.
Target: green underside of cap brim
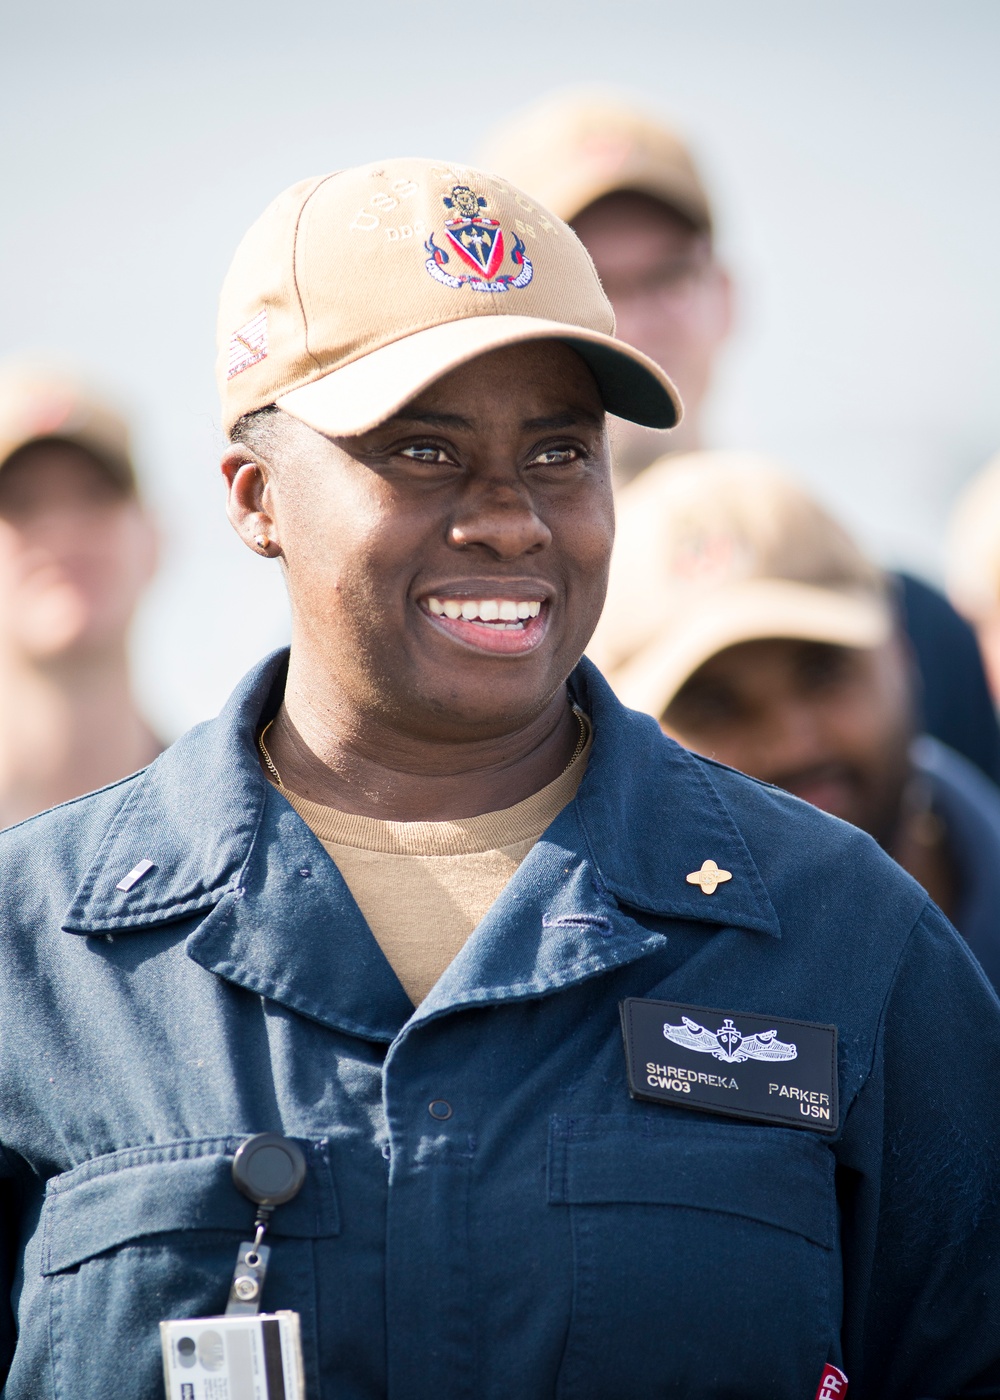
626, 389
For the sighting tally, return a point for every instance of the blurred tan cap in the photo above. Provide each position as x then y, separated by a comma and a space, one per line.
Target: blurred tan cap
717, 548
973, 546
36, 405
355, 291
570, 150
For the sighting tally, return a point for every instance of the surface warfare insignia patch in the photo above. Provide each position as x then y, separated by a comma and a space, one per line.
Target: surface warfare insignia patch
477, 243
769, 1069
729, 1044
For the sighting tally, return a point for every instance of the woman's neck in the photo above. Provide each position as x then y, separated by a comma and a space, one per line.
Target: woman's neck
376, 771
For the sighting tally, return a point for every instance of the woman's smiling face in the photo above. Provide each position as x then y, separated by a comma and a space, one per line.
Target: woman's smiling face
449, 567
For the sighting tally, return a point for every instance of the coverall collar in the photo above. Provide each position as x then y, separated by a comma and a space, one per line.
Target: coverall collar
277, 918
634, 769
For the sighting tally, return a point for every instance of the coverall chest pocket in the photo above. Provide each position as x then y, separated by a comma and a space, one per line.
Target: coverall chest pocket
149, 1233
705, 1257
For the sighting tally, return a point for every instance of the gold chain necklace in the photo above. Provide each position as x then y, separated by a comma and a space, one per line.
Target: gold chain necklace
581, 743
584, 735
268, 760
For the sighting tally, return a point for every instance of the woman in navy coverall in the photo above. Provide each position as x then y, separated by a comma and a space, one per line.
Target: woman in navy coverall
551, 1235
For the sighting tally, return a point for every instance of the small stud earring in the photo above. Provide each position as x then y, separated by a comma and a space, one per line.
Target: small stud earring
262, 542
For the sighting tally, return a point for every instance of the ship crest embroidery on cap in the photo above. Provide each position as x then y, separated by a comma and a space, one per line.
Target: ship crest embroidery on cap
248, 345
479, 244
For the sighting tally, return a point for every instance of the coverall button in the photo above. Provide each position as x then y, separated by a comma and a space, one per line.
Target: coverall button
439, 1109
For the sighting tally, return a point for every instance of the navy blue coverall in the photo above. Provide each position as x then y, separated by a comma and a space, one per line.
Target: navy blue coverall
552, 1237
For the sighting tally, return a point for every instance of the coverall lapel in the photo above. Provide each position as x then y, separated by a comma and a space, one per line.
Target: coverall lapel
568, 913
229, 851
275, 915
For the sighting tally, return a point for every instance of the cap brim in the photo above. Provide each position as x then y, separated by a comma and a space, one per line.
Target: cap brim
756, 610
366, 392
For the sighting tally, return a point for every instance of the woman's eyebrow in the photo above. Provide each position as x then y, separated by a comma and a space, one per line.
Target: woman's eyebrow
571, 418
431, 420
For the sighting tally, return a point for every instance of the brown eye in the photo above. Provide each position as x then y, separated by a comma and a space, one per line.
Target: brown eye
556, 457
424, 453
702, 703
823, 667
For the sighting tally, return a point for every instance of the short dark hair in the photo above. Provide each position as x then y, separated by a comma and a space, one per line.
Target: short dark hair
256, 430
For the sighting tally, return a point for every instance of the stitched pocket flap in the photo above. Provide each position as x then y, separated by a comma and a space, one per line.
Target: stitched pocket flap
126, 1195
778, 1176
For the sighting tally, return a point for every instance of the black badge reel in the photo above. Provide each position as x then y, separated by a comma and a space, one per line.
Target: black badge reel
246, 1354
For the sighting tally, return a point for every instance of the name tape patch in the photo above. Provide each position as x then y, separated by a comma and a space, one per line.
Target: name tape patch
763, 1067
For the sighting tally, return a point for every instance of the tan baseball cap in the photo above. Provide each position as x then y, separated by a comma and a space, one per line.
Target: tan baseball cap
571, 149
355, 291
36, 406
717, 548
972, 562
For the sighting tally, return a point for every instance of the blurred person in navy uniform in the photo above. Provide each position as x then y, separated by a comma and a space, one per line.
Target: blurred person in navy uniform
632, 191
396, 901
744, 618
972, 563
77, 548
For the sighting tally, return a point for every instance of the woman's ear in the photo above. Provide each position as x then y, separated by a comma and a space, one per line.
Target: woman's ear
249, 499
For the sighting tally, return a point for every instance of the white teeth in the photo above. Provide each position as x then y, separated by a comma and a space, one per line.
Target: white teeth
483, 610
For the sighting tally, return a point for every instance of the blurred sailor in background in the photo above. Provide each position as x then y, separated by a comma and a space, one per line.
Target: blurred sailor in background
76, 551
631, 191
973, 563
630, 188
744, 618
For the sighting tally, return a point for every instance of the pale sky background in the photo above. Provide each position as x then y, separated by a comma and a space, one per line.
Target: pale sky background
853, 147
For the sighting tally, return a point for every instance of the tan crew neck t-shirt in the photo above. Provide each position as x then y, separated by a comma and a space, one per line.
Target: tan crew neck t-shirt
424, 886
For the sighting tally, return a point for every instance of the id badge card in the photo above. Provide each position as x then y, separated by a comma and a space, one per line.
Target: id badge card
256, 1357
